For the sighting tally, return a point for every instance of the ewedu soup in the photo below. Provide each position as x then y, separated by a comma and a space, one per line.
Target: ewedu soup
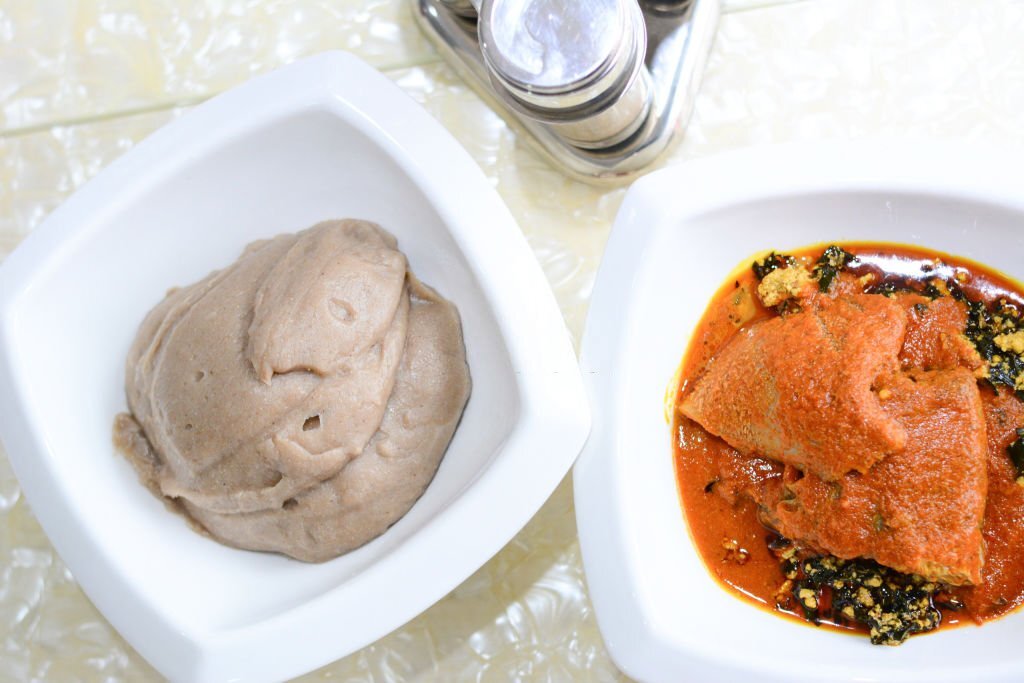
848, 433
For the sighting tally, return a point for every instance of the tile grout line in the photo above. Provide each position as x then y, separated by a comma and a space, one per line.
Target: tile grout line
102, 117
166, 105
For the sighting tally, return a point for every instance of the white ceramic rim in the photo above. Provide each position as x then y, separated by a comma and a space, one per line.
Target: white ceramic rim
552, 425
937, 168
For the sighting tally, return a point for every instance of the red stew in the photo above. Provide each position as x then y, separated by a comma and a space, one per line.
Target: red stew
728, 529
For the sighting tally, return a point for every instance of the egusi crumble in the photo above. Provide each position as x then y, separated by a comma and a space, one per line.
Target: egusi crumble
849, 438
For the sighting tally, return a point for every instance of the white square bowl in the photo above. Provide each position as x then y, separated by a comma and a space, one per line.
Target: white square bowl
324, 138
678, 235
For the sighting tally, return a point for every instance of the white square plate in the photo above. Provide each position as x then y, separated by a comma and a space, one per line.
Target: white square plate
327, 137
679, 234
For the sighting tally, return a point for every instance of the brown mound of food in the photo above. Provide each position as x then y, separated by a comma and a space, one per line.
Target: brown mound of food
301, 399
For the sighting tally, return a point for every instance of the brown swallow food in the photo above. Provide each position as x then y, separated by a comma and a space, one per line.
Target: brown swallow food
301, 399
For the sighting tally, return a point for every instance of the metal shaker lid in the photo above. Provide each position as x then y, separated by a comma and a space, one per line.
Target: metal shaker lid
544, 48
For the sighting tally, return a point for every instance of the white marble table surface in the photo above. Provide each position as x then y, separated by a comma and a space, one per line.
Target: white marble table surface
81, 81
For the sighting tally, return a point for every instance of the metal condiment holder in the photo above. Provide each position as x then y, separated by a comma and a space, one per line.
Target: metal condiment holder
612, 115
